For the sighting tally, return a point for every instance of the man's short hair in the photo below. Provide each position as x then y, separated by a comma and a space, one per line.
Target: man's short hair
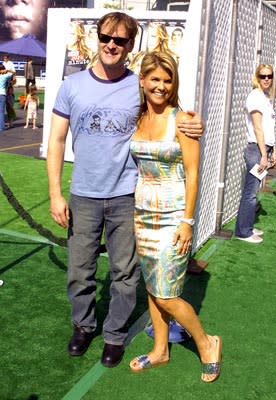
115, 18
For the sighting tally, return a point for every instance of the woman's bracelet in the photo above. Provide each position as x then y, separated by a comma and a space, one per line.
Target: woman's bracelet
189, 221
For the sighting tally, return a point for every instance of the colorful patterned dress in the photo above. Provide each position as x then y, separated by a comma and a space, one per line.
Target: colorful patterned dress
159, 208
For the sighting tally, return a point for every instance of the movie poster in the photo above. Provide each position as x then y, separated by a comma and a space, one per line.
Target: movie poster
72, 46
160, 35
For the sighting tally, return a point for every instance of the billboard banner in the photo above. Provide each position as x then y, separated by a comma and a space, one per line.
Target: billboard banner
81, 47
18, 18
75, 49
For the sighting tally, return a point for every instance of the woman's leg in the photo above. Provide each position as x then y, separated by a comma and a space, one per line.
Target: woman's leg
160, 321
160, 352
208, 346
247, 208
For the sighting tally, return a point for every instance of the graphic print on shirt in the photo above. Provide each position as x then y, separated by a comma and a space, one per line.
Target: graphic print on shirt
105, 122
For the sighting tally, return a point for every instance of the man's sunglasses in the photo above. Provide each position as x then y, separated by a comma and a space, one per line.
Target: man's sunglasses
270, 76
119, 41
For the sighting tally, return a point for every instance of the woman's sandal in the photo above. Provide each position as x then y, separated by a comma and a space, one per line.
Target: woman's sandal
214, 367
144, 363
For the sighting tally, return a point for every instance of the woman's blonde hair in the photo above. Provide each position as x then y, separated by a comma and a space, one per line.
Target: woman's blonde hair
155, 59
79, 43
256, 80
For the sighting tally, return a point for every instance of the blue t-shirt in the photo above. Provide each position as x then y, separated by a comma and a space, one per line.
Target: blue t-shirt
4, 78
103, 117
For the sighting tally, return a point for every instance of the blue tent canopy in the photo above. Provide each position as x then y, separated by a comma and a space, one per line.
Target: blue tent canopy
27, 45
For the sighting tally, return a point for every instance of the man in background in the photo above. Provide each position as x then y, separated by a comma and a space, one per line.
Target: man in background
8, 64
29, 74
5, 76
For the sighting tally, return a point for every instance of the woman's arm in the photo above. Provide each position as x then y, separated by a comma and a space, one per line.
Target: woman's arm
258, 129
190, 149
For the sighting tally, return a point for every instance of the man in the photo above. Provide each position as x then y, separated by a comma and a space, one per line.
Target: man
22, 17
8, 64
103, 183
29, 74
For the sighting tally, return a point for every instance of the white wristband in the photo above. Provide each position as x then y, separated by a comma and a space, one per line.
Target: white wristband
189, 221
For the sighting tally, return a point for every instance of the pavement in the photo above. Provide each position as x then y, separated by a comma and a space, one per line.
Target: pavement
22, 141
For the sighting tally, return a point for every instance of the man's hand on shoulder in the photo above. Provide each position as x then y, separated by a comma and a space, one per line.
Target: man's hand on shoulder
192, 127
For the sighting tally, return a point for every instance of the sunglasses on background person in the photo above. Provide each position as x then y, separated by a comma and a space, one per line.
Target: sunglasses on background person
119, 41
269, 76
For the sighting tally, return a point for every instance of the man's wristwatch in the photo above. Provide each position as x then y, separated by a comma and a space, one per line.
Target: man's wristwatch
189, 221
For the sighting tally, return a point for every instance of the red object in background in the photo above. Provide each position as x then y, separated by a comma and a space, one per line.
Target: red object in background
22, 100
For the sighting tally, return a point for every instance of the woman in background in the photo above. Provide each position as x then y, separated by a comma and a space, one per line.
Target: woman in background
260, 149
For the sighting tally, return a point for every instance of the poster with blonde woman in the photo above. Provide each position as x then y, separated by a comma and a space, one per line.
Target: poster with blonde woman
153, 35
158, 36
77, 52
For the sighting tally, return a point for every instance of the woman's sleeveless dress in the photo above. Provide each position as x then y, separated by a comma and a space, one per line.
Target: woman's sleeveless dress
159, 208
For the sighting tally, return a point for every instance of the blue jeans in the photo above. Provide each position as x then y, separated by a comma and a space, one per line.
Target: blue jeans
2, 111
247, 209
89, 217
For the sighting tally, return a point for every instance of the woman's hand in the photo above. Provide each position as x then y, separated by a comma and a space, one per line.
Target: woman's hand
263, 164
273, 158
183, 238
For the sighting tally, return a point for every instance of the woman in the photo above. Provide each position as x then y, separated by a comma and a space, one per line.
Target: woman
261, 140
164, 211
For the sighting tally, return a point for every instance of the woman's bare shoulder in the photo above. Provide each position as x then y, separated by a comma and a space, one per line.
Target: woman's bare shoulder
182, 115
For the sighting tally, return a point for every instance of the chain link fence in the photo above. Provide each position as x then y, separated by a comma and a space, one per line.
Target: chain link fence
239, 35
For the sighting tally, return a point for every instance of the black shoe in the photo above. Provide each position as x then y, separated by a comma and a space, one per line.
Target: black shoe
80, 341
112, 355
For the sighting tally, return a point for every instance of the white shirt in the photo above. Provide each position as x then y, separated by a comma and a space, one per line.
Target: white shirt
257, 100
9, 66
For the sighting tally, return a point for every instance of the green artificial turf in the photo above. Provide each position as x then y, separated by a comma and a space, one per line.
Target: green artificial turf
234, 298
27, 179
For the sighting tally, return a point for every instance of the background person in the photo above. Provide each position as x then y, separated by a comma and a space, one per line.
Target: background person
101, 105
8, 64
11, 114
5, 76
29, 74
260, 122
165, 200
31, 106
